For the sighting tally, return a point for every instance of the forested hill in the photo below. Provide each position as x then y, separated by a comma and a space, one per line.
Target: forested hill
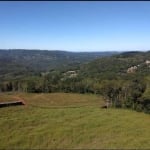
15, 62
124, 64
122, 79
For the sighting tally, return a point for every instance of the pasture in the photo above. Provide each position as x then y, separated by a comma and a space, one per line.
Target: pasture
73, 121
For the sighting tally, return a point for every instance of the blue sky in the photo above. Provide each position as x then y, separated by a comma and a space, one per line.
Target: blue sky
75, 26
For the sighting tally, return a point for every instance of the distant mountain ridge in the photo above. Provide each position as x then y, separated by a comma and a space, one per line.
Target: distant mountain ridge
20, 61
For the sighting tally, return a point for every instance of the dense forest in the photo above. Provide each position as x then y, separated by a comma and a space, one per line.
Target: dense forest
123, 79
17, 63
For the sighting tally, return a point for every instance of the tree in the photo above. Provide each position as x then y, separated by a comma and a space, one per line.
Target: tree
111, 91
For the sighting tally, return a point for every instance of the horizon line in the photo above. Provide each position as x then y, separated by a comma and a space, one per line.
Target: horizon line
77, 50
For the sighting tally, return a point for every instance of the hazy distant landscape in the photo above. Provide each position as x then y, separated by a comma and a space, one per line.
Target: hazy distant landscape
14, 63
74, 75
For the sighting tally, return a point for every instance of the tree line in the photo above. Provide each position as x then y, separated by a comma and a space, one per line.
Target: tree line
121, 93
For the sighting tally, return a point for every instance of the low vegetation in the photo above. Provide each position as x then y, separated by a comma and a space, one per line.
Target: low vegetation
89, 126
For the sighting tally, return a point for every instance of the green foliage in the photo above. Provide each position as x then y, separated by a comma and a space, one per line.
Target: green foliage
128, 103
106, 76
16, 64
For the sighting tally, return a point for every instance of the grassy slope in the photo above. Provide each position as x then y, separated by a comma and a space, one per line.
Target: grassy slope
82, 127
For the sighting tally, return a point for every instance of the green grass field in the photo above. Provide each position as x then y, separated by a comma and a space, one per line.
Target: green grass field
61, 121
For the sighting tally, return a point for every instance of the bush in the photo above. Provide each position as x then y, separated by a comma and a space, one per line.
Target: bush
128, 103
139, 107
147, 109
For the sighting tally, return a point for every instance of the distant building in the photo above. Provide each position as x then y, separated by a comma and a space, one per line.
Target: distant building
70, 74
147, 62
132, 69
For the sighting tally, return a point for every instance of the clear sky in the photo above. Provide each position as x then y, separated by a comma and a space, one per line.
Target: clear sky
75, 26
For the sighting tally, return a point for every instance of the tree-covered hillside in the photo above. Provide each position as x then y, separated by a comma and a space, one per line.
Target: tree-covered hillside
123, 79
117, 66
26, 62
